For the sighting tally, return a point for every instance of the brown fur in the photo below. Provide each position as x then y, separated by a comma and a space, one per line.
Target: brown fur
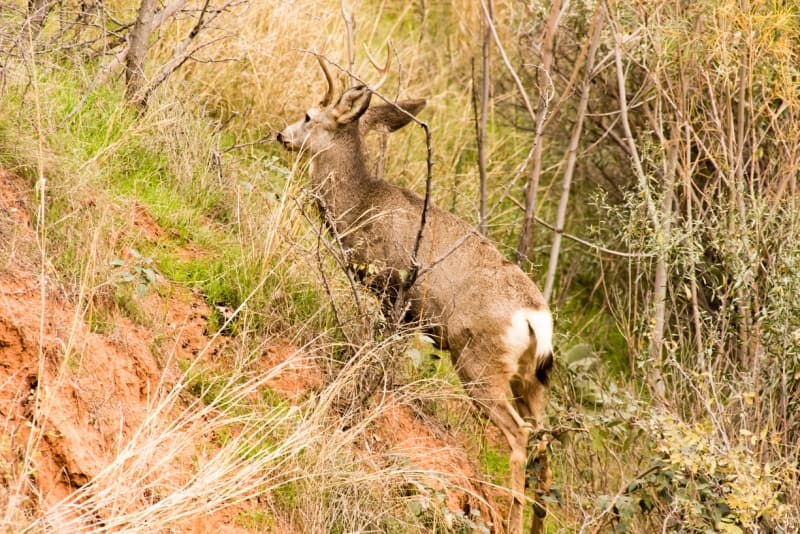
467, 299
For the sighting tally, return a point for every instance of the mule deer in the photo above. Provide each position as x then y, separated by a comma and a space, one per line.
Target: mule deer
484, 309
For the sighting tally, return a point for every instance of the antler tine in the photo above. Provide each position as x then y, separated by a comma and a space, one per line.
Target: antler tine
383, 70
326, 100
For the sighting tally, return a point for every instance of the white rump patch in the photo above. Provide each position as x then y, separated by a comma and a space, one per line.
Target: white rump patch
517, 337
541, 322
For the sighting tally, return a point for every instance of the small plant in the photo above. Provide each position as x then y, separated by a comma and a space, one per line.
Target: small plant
429, 507
138, 271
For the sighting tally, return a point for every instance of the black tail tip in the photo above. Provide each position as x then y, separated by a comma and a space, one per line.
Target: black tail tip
544, 364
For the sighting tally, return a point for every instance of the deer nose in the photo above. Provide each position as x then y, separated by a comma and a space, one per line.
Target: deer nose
280, 137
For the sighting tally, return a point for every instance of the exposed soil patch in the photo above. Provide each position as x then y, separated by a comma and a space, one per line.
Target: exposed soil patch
13, 198
180, 318
82, 393
145, 225
300, 374
401, 432
71, 398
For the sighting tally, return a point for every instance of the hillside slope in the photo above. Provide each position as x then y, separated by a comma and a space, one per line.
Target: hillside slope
182, 345
74, 401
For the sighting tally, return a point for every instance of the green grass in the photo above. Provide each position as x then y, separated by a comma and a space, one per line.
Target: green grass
257, 520
226, 231
494, 463
132, 161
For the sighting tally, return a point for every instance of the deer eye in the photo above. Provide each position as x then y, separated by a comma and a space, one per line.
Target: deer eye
308, 118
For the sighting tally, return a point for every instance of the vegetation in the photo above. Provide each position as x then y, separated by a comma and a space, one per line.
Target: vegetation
658, 139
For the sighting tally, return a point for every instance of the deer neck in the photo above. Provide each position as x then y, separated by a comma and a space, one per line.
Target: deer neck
341, 179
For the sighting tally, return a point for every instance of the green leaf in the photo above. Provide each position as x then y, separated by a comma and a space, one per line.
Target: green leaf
142, 290
578, 352
730, 528
626, 506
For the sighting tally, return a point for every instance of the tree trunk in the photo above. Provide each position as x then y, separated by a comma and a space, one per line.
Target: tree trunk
526, 235
572, 156
135, 82
484, 117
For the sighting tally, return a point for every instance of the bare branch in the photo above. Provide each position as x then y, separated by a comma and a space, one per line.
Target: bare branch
350, 28
259, 141
120, 58
584, 242
572, 152
482, 122
38, 11
523, 93
526, 234
341, 255
181, 55
447, 254
629, 139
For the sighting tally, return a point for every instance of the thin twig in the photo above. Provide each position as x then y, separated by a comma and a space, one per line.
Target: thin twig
584, 242
447, 254
572, 152
341, 255
321, 268
629, 139
181, 55
510, 67
480, 123
531, 189
119, 59
261, 140
350, 28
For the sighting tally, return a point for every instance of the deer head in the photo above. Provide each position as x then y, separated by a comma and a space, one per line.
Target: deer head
349, 117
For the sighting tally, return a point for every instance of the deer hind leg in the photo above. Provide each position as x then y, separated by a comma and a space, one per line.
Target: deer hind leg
529, 387
491, 394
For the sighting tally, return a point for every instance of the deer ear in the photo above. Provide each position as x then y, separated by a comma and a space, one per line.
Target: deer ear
352, 104
388, 118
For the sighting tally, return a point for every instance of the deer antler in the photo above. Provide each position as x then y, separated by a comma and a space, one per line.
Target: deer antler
383, 70
326, 100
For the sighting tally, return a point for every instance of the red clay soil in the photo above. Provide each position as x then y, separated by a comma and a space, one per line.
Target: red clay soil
87, 392
301, 373
13, 198
143, 222
83, 392
402, 433
93, 391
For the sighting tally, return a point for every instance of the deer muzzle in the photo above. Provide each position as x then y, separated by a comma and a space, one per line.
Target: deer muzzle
289, 138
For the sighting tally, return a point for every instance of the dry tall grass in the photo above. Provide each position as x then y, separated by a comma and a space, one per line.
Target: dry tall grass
687, 421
